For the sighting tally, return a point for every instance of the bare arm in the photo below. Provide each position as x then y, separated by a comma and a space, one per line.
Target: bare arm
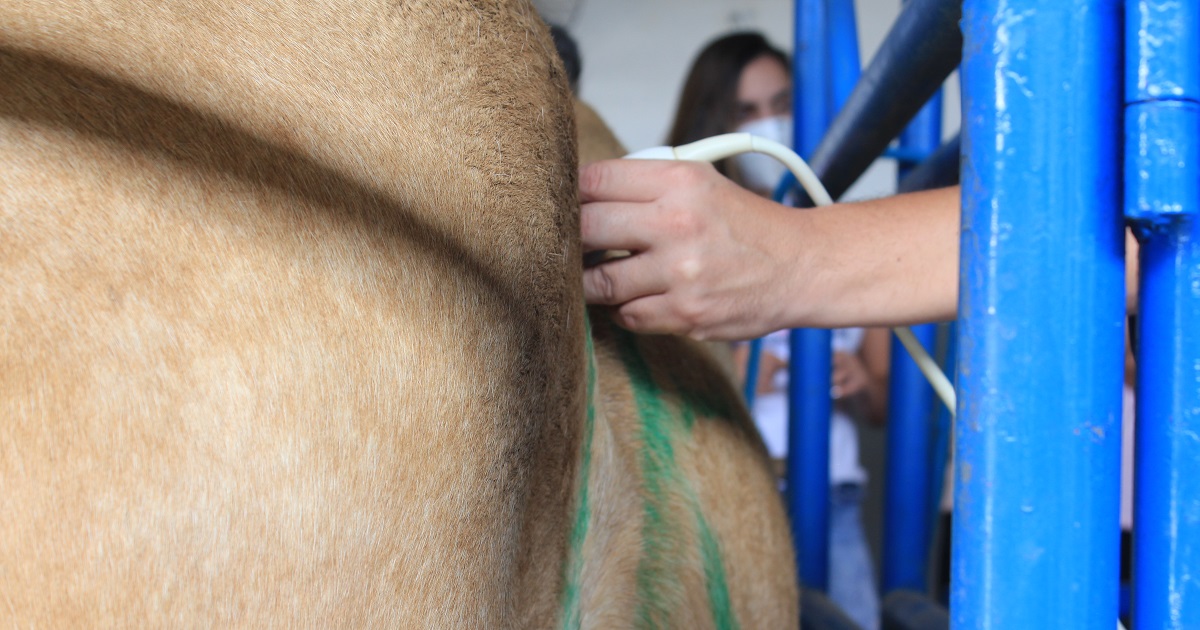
714, 261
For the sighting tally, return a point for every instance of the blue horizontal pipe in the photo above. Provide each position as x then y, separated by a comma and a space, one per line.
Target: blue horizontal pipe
818, 612
938, 171
1036, 537
905, 156
921, 50
913, 610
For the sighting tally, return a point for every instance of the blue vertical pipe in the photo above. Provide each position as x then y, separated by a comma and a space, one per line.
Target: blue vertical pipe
1036, 536
808, 452
941, 439
924, 133
907, 532
1162, 179
844, 61
810, 362
811, 105
907, 512
1166, 553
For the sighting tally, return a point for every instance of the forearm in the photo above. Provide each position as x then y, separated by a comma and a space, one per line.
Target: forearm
889, 261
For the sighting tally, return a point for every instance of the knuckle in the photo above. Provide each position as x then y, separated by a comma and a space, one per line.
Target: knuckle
592, 177
688, 268
605, 284
681, 222
629, 319
691, 312
588, 221
690, 175
637, 320
678, 173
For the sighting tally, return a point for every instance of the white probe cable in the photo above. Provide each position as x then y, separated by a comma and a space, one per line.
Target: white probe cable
937, 379
731, 144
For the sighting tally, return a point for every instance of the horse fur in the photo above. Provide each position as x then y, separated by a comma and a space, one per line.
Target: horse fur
292, 333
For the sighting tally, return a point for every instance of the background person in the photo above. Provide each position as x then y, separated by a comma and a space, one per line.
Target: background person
740, 83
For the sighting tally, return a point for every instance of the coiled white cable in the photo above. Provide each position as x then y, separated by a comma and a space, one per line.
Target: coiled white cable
731, 144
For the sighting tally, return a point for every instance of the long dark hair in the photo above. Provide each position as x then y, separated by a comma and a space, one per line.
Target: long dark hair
707, 105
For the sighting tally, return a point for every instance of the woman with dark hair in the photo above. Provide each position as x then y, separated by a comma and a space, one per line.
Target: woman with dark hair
740, 82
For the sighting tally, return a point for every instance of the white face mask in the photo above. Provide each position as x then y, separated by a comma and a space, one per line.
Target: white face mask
762, 173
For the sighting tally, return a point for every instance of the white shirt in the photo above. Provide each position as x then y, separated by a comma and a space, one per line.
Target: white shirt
771, 415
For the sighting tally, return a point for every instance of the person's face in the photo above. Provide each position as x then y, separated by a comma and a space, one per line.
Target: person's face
764, 90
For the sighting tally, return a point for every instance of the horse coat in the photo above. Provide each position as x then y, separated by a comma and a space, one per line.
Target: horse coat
292, 333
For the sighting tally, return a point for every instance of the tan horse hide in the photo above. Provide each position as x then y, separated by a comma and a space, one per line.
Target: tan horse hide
292, 334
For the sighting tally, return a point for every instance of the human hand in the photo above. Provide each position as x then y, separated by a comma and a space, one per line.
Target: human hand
849, 375
709, 258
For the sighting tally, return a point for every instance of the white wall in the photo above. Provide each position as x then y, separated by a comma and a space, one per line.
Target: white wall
636, 53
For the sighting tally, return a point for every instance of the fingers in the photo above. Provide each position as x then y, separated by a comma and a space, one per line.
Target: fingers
623, 180
610, 225
693, 268
653, 315
624, 279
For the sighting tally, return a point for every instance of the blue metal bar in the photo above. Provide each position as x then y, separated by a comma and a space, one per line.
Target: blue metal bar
924, 133
1160, 46
811, 75
941, 438
753, 361
810, 362
818, 612
912, 610
1162, 158
1166, 552
921, 50
844, 62
1036, 538
809, 407
938, 171
908, 157
908, 528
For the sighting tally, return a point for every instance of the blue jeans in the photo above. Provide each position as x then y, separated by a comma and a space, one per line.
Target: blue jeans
851, 576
